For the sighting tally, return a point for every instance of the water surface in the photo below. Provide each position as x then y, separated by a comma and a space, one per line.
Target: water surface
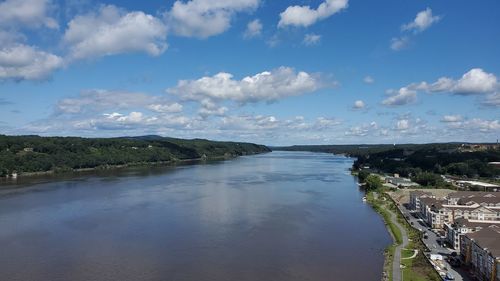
277, 216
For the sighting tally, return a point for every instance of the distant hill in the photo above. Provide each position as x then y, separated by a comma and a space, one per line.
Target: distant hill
30, 154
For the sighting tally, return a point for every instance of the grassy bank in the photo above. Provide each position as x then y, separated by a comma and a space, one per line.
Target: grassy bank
415, 269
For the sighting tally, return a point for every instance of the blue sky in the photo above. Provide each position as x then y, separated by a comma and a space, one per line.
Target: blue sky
272, 72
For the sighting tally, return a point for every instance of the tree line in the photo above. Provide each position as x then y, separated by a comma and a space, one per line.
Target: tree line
24, 154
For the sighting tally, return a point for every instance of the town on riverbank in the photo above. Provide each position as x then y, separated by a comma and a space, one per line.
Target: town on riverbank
440, 202
456, 232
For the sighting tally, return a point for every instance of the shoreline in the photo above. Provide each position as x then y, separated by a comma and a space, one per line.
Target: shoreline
389, 250
6, 180
391, 215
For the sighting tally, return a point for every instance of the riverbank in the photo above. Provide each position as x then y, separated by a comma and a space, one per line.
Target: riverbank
130, 165
405, 238
35, 155
28, 179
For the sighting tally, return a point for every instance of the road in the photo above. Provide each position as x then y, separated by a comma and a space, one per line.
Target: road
432, 243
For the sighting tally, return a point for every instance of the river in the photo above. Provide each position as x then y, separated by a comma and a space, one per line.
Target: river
270, 217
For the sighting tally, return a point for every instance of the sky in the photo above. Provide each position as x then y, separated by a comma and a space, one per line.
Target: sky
270, 72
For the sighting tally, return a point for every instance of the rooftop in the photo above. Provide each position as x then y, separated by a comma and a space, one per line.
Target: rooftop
488, 238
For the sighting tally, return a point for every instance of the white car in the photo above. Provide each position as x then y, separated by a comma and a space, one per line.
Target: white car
449, 276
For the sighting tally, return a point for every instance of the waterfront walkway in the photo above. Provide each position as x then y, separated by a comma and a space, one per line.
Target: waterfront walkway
396, 263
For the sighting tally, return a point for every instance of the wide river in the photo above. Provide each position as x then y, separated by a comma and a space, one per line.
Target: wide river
280, 216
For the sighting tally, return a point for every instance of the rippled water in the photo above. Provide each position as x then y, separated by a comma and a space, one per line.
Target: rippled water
277, 216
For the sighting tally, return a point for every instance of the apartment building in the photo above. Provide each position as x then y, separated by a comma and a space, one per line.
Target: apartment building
454, 231
481, 252
474, 206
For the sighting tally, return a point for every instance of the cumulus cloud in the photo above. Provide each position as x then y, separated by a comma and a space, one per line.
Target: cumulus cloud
403, 96
166, 108
475, 125
451, 118
422, 21
369, 80
311, 39
254, 29
22, 62
484, 125
91, 101
492, 100
362, 130
29, 13
132, 117
10, 38
399, 43
359, 104
111, 30
205, 18
402, 125
305, 16
265, 86
474, 82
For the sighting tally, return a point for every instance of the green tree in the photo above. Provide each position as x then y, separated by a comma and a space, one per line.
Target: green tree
373, 182
362, 175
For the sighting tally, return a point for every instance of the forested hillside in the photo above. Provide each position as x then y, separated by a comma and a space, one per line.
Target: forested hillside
423, 162
22, 154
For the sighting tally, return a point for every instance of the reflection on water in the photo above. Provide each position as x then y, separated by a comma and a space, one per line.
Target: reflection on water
277, 216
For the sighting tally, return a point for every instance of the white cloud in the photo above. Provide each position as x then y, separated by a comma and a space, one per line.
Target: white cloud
451, 118
132, 117
358, 131
422, 21
362, 130
205, 18
254, 29
91, 101
323, 123
10, 38
22, 62
305, 16
476, 81
112, 30
402, 125
369, 80
492, 100
475, 125
311, 39
210, 108
29, 13
359, 104
484, 125
265, 86
403, 96
166, 108
399, 43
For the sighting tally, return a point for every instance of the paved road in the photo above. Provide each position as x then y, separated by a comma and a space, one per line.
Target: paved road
433, 245
396, 263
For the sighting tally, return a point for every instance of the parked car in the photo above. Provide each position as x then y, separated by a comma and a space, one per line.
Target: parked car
449, 276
